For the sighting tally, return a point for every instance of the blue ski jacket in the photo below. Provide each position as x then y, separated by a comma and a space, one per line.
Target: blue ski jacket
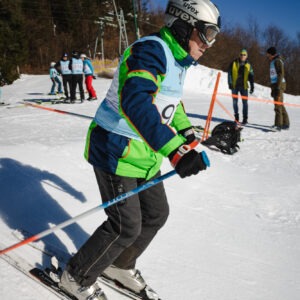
136, 125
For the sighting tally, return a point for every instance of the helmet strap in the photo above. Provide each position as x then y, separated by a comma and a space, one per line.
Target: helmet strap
182, 33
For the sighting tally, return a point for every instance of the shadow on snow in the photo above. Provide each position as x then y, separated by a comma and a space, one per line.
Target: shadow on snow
26, 205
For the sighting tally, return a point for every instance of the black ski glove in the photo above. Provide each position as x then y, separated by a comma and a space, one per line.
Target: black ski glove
189, 134
188, 161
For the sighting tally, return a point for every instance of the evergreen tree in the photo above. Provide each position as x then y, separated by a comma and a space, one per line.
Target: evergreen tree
13, 45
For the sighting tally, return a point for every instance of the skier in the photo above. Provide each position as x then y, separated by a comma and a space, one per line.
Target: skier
141, 121
55, 79
76, 67
278, 86
89, 76
63, 66
239, 73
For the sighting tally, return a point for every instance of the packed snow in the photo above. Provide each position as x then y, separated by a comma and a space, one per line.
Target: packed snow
233, 230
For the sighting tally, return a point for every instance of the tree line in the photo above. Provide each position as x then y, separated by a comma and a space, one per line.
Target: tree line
35, 32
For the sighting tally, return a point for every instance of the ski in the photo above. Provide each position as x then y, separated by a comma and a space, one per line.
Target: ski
198, 131
27, 269
47, 281
50, 278
55, 253
46, 248
47, 101
198, 128
121, 289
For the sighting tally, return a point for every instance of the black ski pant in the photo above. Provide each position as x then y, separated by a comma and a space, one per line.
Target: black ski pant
130, 227
77, 79
67, 81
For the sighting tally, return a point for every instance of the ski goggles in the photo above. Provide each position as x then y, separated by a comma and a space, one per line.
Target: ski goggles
207, 32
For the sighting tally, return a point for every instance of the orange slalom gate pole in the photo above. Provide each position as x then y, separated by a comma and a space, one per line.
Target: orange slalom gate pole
57, 110
226, 110
211, 108
259, 100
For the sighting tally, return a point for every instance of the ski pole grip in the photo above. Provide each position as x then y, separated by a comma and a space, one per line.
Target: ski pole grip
182, 150
205, 158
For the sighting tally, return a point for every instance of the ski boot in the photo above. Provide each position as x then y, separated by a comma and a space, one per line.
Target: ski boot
70, 286
132, 280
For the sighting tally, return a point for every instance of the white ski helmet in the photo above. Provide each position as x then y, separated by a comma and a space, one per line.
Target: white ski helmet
182, 16
52, 64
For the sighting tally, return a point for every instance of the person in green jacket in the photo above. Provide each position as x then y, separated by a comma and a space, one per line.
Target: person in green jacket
278, 86
239, 73
141, 121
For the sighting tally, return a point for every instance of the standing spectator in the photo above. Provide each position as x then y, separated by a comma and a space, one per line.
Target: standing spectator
55, 79
278, 86
76, 67
63, 67
239, 73
141, 121
2, 83
89, 76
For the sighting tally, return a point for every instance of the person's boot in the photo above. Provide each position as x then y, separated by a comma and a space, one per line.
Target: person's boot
237, 117
245, 120
70, 286
132, 280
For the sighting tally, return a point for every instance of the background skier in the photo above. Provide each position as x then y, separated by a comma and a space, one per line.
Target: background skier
76, 67
89, 76
55, 79
63, 67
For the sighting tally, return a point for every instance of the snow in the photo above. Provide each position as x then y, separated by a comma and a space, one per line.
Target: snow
233, 230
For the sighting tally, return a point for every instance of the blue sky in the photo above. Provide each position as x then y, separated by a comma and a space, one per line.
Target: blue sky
283, 14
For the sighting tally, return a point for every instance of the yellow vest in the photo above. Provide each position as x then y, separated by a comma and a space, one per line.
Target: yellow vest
235, 71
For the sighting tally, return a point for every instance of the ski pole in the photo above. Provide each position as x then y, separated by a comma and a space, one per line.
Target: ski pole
91, 211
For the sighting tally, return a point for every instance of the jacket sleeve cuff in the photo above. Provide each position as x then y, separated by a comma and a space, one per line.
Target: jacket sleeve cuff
173, 144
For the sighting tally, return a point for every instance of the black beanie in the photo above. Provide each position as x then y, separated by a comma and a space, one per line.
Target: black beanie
272, 50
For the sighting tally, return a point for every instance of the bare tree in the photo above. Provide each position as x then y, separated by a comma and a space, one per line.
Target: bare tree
274, 36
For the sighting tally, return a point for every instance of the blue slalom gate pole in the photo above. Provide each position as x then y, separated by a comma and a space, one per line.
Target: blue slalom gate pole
111, 202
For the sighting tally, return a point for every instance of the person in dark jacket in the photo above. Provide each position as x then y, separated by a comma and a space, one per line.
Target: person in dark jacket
76, 67
63, 68
278, 86
239, 73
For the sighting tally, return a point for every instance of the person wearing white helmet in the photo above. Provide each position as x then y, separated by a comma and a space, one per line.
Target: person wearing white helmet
55, 79
185, 18
140, 122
